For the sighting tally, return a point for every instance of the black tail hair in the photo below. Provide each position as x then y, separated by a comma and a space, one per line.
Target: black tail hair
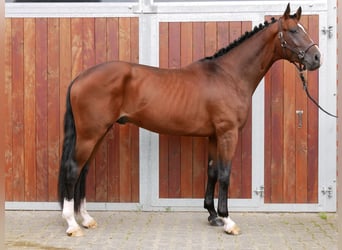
68, 167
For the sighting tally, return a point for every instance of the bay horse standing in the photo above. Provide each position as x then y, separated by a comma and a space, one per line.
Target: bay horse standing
209, 98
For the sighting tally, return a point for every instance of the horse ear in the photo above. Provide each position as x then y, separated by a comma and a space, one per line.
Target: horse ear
287, 12
299, 13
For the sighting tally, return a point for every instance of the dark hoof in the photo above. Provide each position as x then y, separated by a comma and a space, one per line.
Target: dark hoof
215, 221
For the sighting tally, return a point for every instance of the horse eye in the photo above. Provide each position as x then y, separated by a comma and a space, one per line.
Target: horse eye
293, 31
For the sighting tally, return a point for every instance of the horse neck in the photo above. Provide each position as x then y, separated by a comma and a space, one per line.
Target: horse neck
250, 60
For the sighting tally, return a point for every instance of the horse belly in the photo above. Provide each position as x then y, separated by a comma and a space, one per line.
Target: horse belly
159, 122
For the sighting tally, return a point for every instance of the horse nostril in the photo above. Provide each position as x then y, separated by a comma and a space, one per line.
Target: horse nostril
317, 57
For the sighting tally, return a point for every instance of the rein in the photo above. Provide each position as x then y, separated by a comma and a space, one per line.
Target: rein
305, 87
301, 66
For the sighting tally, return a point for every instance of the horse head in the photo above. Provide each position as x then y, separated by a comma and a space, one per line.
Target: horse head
297, 46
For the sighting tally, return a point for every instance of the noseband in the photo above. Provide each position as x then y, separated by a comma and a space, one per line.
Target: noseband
300, 53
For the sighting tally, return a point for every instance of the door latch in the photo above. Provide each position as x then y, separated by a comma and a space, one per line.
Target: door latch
300, 118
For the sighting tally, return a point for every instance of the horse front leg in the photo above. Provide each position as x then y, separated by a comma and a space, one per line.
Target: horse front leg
213, 218
226, 148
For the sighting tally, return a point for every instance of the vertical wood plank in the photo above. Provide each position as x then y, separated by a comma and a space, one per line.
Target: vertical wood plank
88, 43
174, 141
41, 109
234, 30
134, 40
312, 154
210, 38
200, 159
246, 141
76, 46
65, 69
134, 129
101, 154
113, 133
222, 34
186, 142
113, 165
199, 144
301, 139
112, 38
268, 132
268, 137
29, 109
246, 159
65, 66
8, 112
53, 106
222, 42
76, 33
18, 109
235, 177
290, 126
88, 60
125, 136
198, 51
277, 132
163, 139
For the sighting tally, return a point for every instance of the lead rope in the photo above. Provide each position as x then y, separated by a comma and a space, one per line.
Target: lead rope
305, 86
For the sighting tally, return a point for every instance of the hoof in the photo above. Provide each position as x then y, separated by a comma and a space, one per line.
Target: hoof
90, 224
215, 221
74, 232
234, 230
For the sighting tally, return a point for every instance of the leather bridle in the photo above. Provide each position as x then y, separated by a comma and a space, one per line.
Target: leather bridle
300, 53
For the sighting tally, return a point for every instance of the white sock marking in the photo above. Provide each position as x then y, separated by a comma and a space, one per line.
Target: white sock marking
228, 224
68, 214
84, 214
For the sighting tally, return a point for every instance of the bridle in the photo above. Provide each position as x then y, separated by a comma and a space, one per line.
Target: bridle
300, 53
301, 67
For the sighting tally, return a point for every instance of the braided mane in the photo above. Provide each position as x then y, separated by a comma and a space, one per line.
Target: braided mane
240, 40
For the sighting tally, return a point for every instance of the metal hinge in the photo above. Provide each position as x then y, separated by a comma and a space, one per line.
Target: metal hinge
259, 191
328, 31
328, 191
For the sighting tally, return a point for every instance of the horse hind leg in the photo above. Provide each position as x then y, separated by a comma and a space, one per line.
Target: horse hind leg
213, 219
68, 211
87, 220
67, 183
76, 201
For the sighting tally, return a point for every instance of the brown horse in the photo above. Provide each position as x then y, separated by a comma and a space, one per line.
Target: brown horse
208, 98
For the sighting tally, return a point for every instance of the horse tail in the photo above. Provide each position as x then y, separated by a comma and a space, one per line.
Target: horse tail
68, 167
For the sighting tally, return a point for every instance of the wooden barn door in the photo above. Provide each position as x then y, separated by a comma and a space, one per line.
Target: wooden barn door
183, 160
43, 55
291, 132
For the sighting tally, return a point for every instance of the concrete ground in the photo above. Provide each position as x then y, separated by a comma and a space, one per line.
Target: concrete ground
172, 230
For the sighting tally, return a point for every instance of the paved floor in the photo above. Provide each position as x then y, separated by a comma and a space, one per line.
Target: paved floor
172, 230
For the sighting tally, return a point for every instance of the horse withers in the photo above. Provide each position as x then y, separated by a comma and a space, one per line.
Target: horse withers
208, 98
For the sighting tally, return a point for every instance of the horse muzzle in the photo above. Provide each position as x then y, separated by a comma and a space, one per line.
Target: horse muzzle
312, 58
